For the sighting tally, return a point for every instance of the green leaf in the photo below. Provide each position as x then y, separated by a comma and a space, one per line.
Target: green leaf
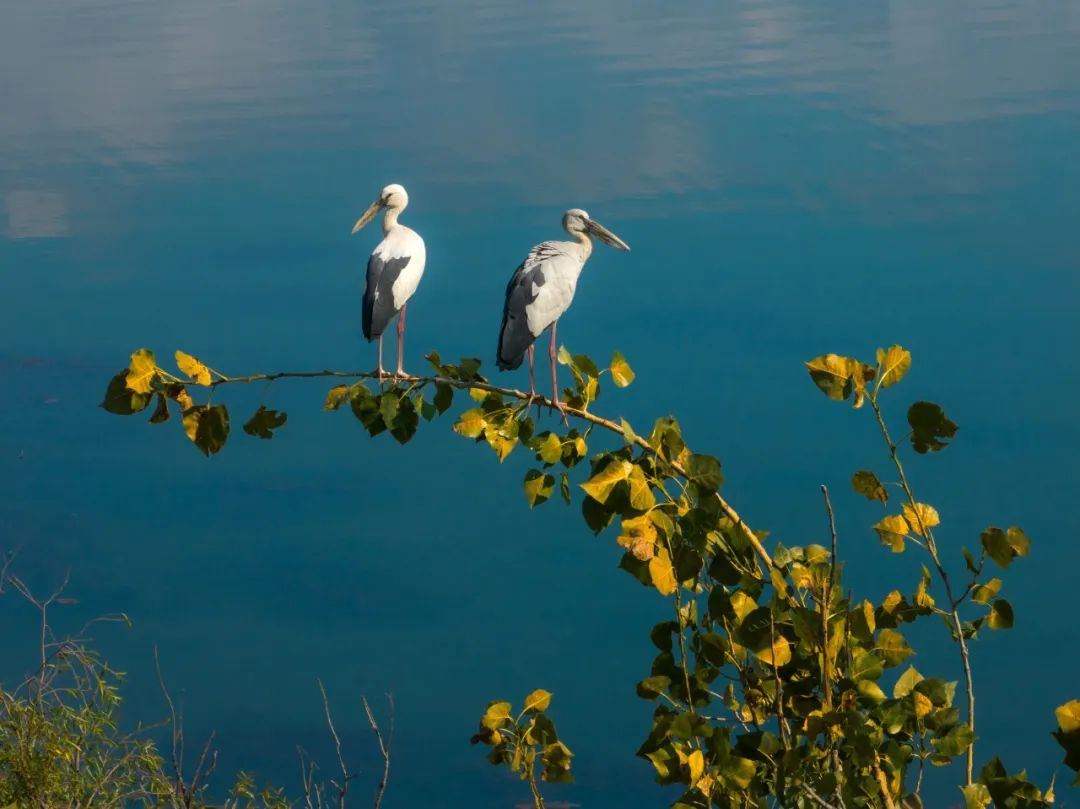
141, 371
976, 796
538, 487
365, 407
908, 680
1004, 546
621, 373
198, 372
871, 690
955, 742
867, 484
892, 647
404, 425
838, 376
539, 700
662, 572
497, 715
737, 772
704, 470
865, 665
599, 486
985, 593
892, 530
161, 412
564, 487
207, 427
388, 406
120, 400
892, 365
1001, 615
444, 397
550, 449
652, 687
929, 427
264, 422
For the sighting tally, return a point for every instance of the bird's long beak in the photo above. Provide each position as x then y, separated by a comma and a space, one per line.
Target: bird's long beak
368, 215
606, 236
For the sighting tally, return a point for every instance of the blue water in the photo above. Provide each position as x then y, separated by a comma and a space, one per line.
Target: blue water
793, 177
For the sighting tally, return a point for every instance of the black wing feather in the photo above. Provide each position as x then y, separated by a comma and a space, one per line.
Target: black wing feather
514, 335
379, 307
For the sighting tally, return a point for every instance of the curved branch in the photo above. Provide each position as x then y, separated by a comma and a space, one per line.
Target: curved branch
482, 384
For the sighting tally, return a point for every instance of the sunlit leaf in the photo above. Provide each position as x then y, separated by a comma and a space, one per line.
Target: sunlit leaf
867, 484
976, 796
638, 535
207, 427
929, 427
985, 593
337, 396
538, 487
539, 700
264, 422
921, 518
641, 495
892, 365
1068, 716
832, 374
696, 763
892, 647
550, 449
471, 424
908, 680
871, 690
662, 572
955, 742
621, 373
198, 372
141, 371
892, 530
599, 486
497, 715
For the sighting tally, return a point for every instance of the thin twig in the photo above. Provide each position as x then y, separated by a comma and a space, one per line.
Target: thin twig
343, 787
384, 749
826, 602
177, 732
816, 798
931, 547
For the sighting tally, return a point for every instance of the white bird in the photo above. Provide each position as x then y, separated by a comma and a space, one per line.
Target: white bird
542, 289
393, 271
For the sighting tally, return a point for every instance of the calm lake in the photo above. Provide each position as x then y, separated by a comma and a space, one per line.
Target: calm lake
794, 178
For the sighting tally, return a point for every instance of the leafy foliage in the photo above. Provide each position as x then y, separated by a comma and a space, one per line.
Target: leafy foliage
772, 683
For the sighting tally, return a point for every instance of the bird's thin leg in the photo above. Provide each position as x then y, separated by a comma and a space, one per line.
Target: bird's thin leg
382, 371
532, 375
400, 339
555, 379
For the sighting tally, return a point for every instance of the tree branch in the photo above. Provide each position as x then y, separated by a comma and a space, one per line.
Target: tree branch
482, 384
384, 748
931, 547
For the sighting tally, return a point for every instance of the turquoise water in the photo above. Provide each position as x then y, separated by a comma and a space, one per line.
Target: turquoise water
793, 177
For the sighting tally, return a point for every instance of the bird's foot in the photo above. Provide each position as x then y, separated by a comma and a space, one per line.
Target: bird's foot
381, 374
557, 405
401, 373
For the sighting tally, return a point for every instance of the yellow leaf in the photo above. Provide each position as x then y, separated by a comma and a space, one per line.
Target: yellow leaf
662, 573
641, 495
496, 716
921, 518
696, 762
550, 450
638, 535
775, 654
892, 530
832, 374
537, 701
141, 371
893, 365
742, 604
1068, 716
621, 373
471, 424
193, 368
478, 394
599, 486
923, 705
502, 444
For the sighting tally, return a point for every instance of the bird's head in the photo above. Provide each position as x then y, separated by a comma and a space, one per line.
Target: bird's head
393, 196
578, 221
